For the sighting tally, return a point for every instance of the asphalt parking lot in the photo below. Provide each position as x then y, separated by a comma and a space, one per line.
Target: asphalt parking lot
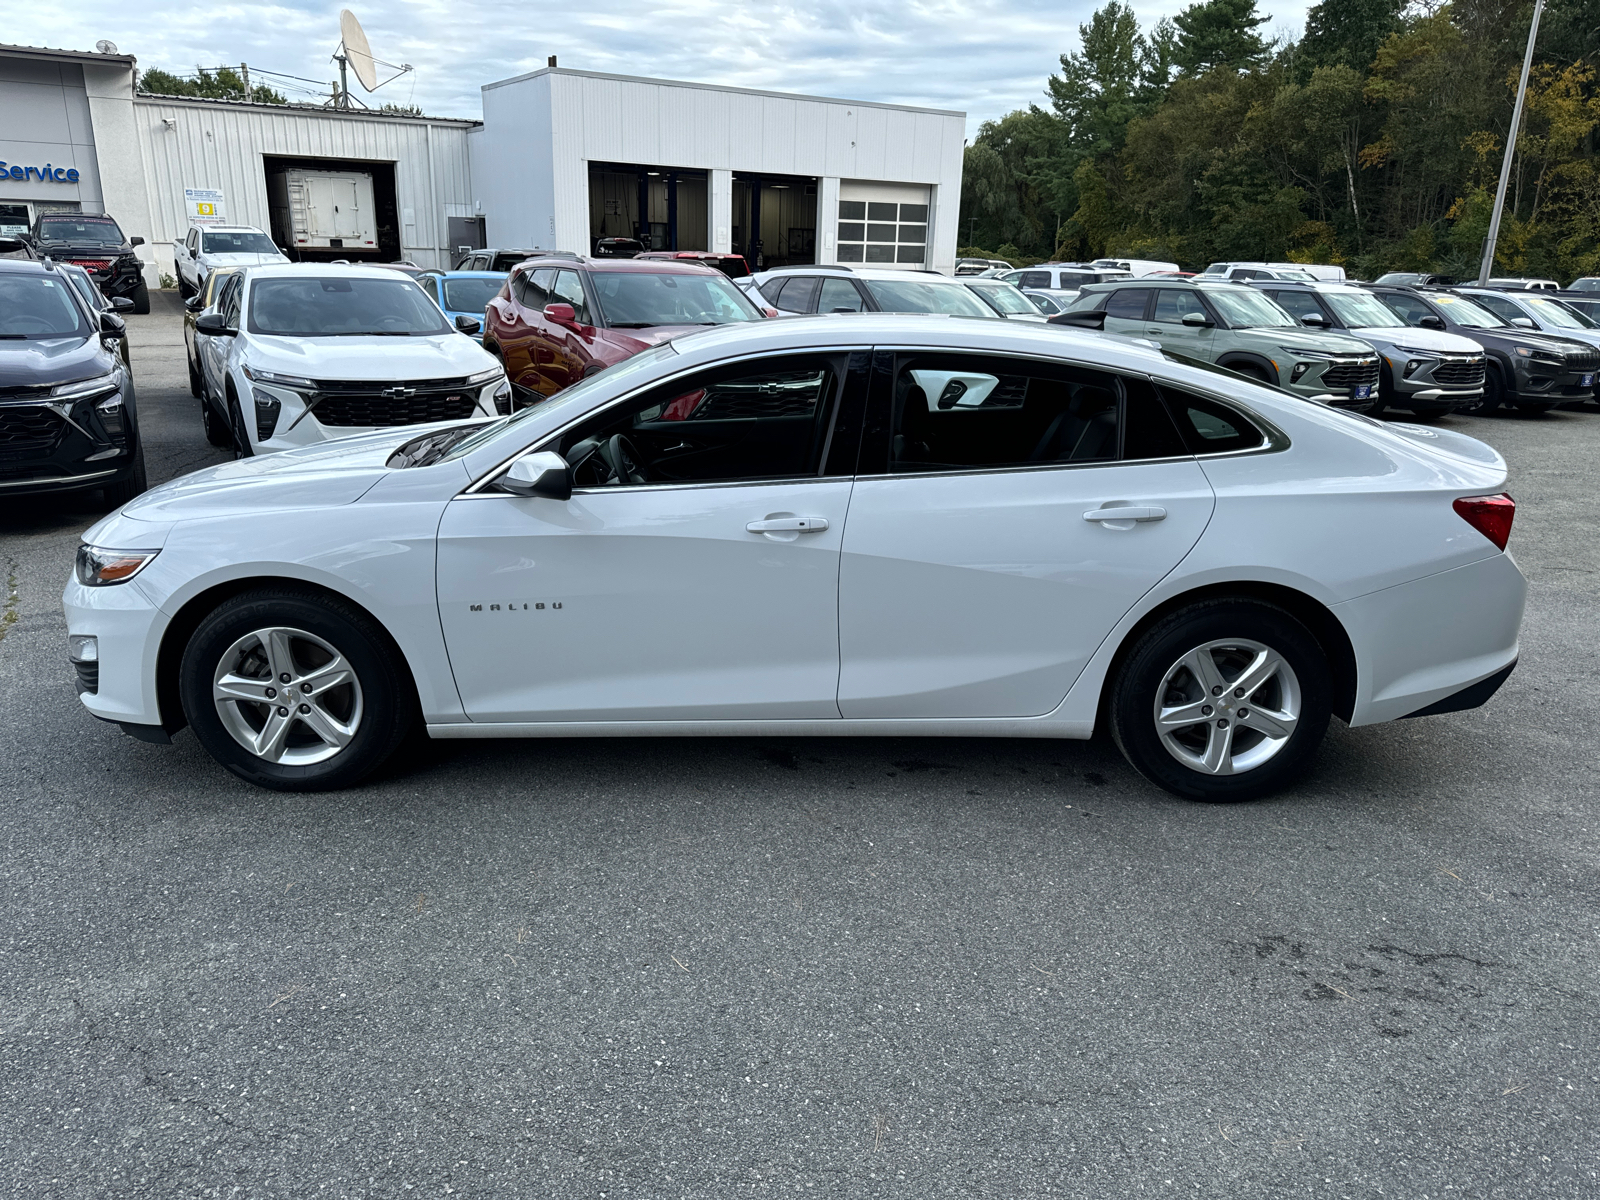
644, 968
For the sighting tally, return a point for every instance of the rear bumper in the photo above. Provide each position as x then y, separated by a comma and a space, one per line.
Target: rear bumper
1426, 642
1473, 696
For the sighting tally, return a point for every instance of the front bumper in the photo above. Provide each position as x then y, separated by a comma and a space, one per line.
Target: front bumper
280, 418
63, 446
128, 628
1350, 383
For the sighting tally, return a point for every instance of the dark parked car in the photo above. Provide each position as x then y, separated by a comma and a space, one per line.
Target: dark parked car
67, 416
91, 295
562, 319
731, 265
1587, 302
504, 259
98, 245
1527, 370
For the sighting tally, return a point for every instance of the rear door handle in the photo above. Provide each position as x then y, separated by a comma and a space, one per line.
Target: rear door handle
1128, 513
788, 525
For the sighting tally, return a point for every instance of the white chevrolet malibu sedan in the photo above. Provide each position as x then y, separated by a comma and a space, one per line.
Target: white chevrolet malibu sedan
303, 353
885, 525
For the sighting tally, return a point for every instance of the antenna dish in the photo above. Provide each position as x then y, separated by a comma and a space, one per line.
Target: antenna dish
105, 47
357, 51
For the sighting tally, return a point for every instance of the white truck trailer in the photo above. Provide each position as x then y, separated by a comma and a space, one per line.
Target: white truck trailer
323, 210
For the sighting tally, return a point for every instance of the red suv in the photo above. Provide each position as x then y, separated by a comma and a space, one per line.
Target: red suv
559, 320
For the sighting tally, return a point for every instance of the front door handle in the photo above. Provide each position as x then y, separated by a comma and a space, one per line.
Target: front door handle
788, 525
1127, 513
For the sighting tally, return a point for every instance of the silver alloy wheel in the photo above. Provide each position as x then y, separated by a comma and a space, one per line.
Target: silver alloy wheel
287, 696
1227, 707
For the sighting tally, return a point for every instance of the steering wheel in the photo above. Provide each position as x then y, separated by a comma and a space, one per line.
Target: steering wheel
623, 459
19, 323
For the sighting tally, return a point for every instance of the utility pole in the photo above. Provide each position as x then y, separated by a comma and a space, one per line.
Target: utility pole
1487, 268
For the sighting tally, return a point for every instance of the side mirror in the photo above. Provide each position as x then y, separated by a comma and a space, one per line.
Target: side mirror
121, 303
1090, 319
561, 314
1196, 320
1317, 319
1431, 322
468, 324
1524, 322
543, 473
213, 325
112, 326
194, 303
135, 241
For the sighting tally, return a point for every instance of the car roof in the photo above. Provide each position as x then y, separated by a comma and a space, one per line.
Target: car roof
309, 270
227, 228
648, 266
444, 274
30, 265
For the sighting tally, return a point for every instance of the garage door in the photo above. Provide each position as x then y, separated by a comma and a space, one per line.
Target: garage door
883, 224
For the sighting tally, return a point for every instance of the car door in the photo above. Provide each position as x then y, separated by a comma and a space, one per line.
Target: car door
705, 587
568, 344
520, 330
1166, 325
985, 558
213, 352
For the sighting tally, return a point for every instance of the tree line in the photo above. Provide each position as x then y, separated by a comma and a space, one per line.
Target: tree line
1374, 141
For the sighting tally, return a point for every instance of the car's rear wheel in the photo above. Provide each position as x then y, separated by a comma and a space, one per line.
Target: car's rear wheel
294, 691
1224, 700
1494, 394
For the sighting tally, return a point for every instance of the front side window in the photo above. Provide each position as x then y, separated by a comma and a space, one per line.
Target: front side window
961, 412
797, 293
838, 295
37, 307
917, 296
1360, 310
1555, 313
639, 299
1030, 279
747, 421
1004, 298
568, 289
228, 302
237, 243
1174, 304
1245, 308
1298, 304
1128, 303
349, 307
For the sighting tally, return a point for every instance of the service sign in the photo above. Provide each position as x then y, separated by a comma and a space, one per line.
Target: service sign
204, 206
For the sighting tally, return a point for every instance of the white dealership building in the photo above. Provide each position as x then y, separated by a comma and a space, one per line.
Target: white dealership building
561, 160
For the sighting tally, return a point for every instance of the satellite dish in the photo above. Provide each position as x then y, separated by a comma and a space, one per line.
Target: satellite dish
357, 51
105, 47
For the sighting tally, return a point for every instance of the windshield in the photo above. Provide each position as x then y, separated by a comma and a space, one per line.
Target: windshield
86, 288
37, 306
643, 363
1243, 308
290, 307
1464, 312
919, 296
80, 231
640, 299
236, 243
1557, 313
471, 295
1358, 310
1004, 298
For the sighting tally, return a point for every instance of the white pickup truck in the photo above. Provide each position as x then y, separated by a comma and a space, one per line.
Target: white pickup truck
206, 247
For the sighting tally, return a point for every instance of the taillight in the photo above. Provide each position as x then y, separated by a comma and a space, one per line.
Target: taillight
1489, 515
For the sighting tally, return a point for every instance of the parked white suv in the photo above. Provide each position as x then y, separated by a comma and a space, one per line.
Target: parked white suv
204, 248
797, 291
302, 353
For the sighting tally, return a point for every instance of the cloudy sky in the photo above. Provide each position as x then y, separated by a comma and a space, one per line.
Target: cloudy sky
984, 57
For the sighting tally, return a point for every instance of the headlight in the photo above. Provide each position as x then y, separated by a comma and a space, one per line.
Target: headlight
81, 388
488, 376
1541, 356
502, 398
293, 382
102, 568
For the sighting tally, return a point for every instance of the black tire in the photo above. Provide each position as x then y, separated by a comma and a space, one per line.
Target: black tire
118, 494
1494, 394
196, 380
215, 428
383, 715
1250, 371
141, 300
1146, 669
238, 435
184, 290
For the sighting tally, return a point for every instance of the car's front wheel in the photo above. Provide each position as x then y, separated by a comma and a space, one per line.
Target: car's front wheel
294, 691
1224, 700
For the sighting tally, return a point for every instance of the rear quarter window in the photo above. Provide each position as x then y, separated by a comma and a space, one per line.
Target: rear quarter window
1209, 427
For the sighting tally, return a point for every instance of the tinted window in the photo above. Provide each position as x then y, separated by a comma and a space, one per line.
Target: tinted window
534, 291
639, 299
955, 412
37, 306
323, 307
1209, 427
1410, 309
1031, 279
1128, 303
798, 293
748, 421
237, 243
470, 295
1148, 431
228, 302
1504, 309
838, 294
1173, 304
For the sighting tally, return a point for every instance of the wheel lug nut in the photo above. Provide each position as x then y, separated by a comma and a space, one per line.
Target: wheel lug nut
272, 693
306, 688
284, 678
305, 708
1216, 691
1205, 710
1223, 723
1243, 713
1238, 691
282, 712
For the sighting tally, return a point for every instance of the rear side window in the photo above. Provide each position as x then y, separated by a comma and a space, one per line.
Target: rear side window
798, 293
1032, 279
1128, 303
1410, 309
1209, 427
